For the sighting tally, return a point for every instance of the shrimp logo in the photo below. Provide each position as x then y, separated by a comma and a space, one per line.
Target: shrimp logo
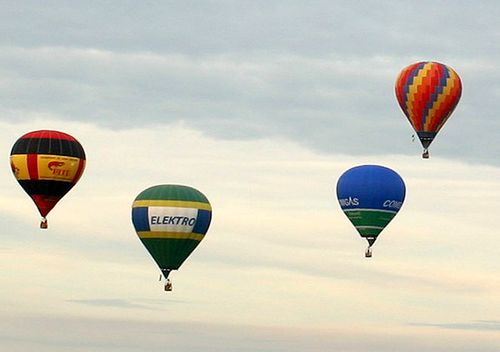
54, 164
55, 167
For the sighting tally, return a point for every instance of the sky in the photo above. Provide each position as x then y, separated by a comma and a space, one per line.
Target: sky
261, 106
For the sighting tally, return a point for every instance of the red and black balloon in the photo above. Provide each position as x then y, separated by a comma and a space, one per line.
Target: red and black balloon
47, 164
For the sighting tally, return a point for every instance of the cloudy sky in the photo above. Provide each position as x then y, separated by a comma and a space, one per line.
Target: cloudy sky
261, 106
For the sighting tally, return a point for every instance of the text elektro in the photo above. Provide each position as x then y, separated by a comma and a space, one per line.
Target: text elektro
172, 220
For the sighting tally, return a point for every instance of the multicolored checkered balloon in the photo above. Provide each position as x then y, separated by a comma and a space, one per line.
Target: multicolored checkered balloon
428, 92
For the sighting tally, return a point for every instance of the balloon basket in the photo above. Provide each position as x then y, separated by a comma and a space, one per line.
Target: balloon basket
44, 224
168, 286
425, 154
368, 253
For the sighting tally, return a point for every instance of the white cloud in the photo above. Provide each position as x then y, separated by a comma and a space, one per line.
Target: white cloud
279, 252
332, 103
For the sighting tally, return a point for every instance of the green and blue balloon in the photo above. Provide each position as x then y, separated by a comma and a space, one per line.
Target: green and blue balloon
370, 196
171, 220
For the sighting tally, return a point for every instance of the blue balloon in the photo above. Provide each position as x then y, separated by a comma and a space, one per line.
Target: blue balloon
370, 196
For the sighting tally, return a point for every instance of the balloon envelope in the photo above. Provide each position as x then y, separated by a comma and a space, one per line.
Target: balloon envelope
47, 164
370, 196
428, 92
171, 220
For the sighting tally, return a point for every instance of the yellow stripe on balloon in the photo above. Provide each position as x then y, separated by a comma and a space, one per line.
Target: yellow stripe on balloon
447, 89
173, 235
417, 82
19, 165
171, 203
57, 167
452, 82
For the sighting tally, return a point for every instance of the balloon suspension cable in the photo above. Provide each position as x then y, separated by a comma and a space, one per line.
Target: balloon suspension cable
43, 223
425, 154
165, 273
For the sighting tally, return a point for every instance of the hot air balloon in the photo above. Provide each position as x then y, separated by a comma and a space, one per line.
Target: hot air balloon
370, 196
171, 220
47, 164
428, 92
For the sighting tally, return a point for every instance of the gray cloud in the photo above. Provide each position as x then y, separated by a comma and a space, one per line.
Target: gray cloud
111, 303
478, 325
48, 333
320, 74
221, 27
148, 304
